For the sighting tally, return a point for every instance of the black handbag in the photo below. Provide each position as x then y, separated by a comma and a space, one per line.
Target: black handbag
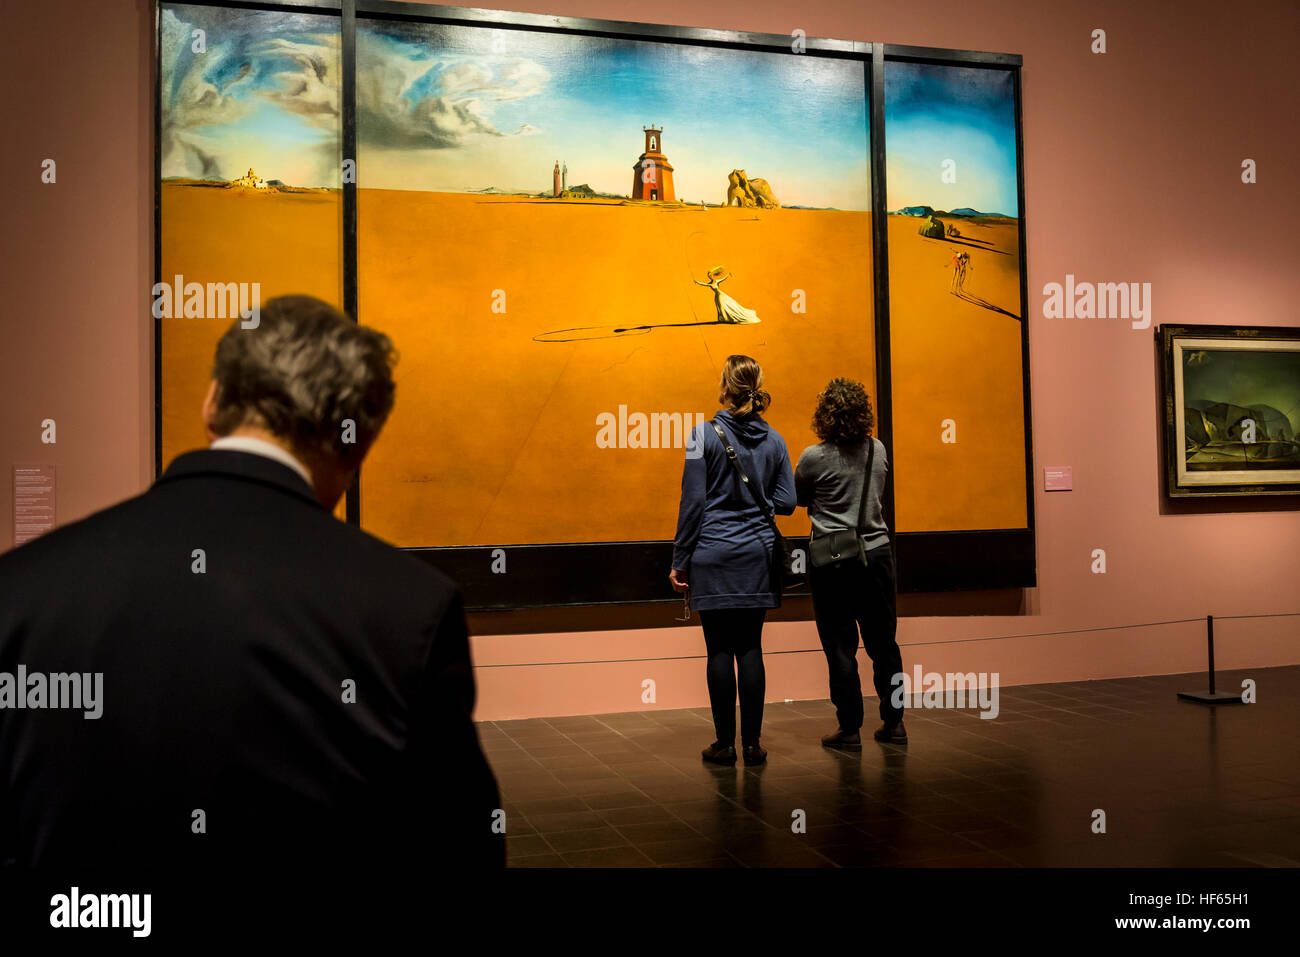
783, 574
845, 545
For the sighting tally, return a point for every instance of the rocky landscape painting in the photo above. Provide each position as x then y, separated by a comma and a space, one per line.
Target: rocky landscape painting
1233, 402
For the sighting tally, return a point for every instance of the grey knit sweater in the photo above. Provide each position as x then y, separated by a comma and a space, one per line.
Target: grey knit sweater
828, 481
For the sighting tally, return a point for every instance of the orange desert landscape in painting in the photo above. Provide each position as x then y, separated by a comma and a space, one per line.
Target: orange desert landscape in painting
497, 418
501, 385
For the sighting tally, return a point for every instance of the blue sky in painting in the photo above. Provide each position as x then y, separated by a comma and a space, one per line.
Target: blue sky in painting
934, 113
262, 93
454, 108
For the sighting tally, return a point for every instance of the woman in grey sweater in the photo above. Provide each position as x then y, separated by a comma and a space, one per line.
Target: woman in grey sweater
852, 594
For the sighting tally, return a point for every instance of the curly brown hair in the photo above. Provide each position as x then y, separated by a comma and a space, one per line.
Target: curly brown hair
843, 415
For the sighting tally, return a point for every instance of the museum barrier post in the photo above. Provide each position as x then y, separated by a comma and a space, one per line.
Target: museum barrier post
1212, 697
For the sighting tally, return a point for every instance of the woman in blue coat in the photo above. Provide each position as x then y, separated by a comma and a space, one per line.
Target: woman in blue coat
722, 555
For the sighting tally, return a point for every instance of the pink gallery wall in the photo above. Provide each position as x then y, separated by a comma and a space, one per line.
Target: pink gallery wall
1132, 173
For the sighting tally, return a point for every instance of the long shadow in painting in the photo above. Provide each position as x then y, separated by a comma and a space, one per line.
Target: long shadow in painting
581, 333
976, 300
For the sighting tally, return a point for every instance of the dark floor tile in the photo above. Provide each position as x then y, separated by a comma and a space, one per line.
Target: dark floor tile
607, 800
585, 839
1002, 838
656, 831
640, 814
862, 855
565, 821
553, 805
587, 770
681, 851
721, 860
626, 856
773, 851
541, 860
830, 835
526, 845
962, 820
973, 859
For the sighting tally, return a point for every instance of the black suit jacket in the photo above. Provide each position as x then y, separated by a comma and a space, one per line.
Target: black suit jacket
281, 691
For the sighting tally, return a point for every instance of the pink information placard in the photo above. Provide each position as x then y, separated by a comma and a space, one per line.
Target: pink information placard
1058, 478
35, 508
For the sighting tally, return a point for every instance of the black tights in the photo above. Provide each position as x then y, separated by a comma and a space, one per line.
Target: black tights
733, 637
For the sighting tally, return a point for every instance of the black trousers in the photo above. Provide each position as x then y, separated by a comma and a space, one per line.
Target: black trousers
847, 598
733, 638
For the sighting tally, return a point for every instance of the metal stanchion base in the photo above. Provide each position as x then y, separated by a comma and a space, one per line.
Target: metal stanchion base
1218, 697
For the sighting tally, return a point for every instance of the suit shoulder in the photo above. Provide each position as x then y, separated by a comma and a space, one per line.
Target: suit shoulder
89, 532
383, 558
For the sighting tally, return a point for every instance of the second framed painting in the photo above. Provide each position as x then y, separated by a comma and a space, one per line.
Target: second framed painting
1231, 397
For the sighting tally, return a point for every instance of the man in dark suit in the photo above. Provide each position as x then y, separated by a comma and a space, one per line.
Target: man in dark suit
278, 692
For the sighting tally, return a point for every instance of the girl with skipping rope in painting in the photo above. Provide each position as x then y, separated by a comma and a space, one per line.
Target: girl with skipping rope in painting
729, 310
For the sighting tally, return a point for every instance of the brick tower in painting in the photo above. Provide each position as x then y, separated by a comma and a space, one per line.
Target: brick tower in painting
652, 177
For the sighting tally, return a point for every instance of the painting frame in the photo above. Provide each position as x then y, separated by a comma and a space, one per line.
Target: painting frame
939, 561
633, 572
1174, 343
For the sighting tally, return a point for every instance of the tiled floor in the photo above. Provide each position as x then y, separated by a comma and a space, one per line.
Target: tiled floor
1181, 784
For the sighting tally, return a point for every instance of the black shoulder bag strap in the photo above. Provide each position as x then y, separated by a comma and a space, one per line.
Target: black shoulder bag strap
866, 484
756, 493
782, 566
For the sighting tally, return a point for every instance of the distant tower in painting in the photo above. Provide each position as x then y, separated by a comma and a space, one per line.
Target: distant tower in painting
555, 182
652, 177
564, 182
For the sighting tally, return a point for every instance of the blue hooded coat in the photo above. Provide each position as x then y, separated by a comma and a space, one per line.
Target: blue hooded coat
724, 544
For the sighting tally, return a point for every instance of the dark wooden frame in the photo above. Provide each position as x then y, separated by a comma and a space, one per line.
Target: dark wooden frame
617, 573
1171, 442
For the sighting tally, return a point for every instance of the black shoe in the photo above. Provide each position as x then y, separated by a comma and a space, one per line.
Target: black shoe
844, 740
719, 753
891, 733
754, 754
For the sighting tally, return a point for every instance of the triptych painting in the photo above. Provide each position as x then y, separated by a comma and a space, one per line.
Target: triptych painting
566, 232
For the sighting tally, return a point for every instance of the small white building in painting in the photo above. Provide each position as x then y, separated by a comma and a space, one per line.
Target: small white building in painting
251, 180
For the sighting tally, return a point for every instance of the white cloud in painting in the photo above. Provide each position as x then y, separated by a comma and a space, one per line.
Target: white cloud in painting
310, 86
407, 99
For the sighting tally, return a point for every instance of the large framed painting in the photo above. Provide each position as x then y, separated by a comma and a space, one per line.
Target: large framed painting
1231, 410
567, 225
567, 234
